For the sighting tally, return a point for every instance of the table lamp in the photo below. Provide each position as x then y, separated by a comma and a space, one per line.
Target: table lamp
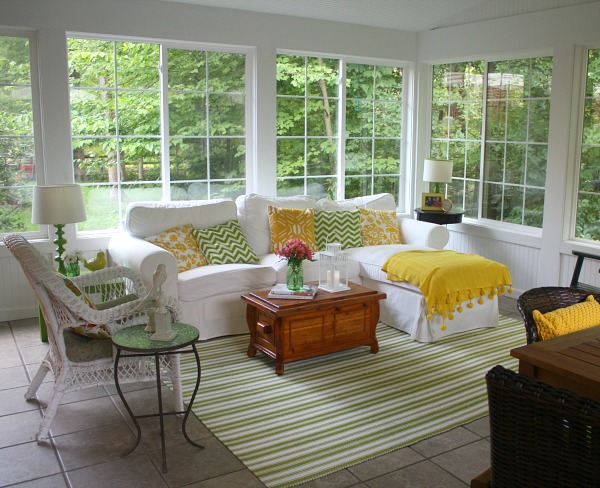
58, 205
437, 171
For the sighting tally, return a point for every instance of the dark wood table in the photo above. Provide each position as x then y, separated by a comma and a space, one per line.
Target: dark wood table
289, 330
440, 217
571, 361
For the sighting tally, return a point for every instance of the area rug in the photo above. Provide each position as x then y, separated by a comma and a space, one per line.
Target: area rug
330, 412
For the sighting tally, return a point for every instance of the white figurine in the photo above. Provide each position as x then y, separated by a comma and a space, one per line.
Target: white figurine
159, 317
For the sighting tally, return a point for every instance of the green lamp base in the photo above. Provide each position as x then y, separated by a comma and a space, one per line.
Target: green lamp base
59, 242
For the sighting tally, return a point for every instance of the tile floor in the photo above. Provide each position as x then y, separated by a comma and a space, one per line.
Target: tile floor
92, 428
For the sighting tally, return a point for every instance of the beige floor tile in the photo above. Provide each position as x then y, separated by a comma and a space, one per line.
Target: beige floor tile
129, 472
421, 475
386, 464
445, 442
187, 464
477, 454
95, 446
19, 428
27, 462
237, 479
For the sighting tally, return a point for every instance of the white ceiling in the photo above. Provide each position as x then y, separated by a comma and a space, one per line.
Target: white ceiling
408, 15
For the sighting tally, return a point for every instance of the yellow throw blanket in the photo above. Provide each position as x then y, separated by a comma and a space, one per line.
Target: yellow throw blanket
448, 278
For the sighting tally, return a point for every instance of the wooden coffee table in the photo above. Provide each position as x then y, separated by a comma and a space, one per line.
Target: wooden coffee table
289, 330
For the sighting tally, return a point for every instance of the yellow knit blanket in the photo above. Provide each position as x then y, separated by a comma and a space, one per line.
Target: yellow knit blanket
448, 278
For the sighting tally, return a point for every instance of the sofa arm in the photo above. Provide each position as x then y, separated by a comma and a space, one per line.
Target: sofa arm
143, 257
420, 233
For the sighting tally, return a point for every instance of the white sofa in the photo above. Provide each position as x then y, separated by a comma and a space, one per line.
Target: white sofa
210, 295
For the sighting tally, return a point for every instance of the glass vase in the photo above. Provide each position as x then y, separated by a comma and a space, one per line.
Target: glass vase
294, 278
72, 269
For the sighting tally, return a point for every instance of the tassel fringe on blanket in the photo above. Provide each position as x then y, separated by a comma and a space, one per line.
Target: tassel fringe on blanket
449, 278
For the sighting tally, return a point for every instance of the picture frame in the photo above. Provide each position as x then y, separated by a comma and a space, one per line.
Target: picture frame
432, 202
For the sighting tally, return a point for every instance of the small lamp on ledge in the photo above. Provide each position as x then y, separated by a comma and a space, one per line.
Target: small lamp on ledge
58, 205
437, 171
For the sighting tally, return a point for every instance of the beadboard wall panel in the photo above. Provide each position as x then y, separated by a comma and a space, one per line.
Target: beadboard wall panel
522, 261
16, 297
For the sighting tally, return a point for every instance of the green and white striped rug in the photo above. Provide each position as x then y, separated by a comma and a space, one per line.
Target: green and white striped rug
330, 412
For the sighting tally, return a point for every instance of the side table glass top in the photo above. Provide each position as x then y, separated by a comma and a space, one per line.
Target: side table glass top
135, 338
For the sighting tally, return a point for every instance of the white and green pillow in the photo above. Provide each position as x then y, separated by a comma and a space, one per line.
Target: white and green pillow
225, 244
342, 227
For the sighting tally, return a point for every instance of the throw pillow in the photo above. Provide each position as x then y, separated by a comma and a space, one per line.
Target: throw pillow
288, 223
379, 227
225, 244
568, 319
180, 242
342, 227
93, 331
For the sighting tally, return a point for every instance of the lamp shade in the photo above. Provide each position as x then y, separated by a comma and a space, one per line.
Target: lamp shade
437, 171
57, 204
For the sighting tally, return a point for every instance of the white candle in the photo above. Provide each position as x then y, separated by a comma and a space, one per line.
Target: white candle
329, 279
336, 279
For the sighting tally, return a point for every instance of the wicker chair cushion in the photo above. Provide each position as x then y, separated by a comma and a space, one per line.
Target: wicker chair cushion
82, 349
93, 331
568, 319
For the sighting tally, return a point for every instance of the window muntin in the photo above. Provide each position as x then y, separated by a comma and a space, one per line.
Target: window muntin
456, 128
17, 145
373, 142
510, 184
587, 225
307, 125
310, 101
151, 122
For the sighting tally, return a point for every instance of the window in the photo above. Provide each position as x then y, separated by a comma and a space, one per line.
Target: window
513, 128
17, 148
588, 201
310, 102
152, 122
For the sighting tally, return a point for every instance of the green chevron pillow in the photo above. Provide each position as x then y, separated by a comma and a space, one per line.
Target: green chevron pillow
225, 244
342, 227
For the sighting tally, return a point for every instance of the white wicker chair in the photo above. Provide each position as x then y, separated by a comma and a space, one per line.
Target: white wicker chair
76, 361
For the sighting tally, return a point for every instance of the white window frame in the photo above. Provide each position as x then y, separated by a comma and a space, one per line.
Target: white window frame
250, 105
405, 144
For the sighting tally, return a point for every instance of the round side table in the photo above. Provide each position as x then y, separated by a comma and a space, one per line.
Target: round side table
136, 342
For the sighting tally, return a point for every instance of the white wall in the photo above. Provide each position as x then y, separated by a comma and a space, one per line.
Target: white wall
532, 260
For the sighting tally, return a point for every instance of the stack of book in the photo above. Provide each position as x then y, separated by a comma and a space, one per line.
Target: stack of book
281, 291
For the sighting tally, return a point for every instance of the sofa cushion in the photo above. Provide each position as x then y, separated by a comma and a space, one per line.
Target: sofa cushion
225, 244
253, 216
342, 227
144, 219
217, 280
292, 223
380, 201
379, 227
180, 242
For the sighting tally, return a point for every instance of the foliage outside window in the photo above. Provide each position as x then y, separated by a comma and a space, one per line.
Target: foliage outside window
124, 114
588, 201
456, 128
310, 100
17, 149
509, 187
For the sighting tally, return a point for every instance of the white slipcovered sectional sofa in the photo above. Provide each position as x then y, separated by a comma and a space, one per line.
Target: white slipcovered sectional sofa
210, 295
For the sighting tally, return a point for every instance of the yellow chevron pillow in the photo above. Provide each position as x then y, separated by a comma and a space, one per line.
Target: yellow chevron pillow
288, 223
379, 227
569, 319
180, 242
